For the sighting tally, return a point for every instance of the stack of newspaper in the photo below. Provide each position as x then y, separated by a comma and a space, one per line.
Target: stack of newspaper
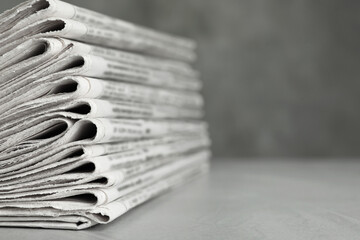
97, 116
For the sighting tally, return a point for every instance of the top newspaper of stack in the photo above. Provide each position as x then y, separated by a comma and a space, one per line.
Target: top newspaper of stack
47, 18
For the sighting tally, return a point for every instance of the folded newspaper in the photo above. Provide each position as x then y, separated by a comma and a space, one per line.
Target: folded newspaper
97, 116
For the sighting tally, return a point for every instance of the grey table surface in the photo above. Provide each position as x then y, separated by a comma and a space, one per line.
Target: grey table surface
241, 199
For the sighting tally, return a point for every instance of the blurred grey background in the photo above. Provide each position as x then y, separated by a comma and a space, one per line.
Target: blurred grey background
281, 76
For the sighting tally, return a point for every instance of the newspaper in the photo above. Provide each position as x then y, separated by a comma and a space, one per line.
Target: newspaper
93, 108
58, 131
25, 213
97, 116
57, 18
67, 63
76, 151
73, 88
46, 74
121, 175
61, 162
